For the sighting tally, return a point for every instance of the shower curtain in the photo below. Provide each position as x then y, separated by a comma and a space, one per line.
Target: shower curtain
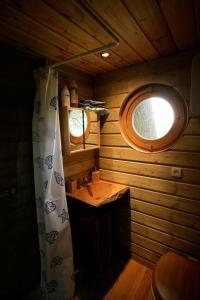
52, 212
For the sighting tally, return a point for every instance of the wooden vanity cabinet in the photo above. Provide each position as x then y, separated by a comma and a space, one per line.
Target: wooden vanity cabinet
98, 232
91, 234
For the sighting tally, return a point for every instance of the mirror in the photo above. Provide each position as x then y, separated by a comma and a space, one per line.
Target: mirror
80, 130
153, 118
78, 123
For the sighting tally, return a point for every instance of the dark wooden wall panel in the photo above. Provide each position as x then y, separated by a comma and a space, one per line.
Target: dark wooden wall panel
165, 212
20, 263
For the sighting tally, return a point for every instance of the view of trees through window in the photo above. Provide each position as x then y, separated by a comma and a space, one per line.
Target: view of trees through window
76, 122
152, 118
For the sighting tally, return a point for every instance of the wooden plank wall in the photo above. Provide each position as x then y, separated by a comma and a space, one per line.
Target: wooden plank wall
165, 212
79, 163
19, 251
93, 139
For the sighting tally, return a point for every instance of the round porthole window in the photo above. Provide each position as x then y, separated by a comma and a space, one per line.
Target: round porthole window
78, 119
152, 118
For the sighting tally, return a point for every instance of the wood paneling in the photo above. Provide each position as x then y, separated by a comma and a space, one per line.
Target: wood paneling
169, 241
148, 16
83, 81
93, 139
115, 14
146, 253
174, 71
150, 170
18, 228
93, 127
58, 30
175, 158
78, 167
71, 12
185, 143
166, 200
165, 211
79, 164
40, 47
147, 243
180, 18
165, 186
166, 226
193, 127
197, 16
111, 101
111, 127
172, 215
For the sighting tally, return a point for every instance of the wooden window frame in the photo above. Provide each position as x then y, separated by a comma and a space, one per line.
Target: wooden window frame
180, 117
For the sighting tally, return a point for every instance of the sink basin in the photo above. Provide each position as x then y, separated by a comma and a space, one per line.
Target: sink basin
99, 193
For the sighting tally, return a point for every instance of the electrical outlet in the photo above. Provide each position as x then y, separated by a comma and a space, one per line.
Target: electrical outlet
176, 172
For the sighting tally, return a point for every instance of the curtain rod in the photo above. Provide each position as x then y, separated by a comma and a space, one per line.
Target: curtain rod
98, 22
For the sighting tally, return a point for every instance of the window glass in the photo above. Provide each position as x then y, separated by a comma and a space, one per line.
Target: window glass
152, 118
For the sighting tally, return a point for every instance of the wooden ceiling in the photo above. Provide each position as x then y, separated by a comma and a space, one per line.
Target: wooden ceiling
58, 29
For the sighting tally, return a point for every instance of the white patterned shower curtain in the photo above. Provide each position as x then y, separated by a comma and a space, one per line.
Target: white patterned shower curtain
52, 212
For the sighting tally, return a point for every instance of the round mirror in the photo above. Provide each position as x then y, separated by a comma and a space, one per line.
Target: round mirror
76, 122
153, 118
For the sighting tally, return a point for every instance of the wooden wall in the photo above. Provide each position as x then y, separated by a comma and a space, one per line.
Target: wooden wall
19, 251
78, 164
165, 212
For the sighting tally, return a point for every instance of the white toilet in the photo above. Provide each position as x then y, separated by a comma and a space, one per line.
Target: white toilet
176, 277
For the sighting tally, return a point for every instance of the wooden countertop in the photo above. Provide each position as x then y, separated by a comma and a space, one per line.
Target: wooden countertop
99, 193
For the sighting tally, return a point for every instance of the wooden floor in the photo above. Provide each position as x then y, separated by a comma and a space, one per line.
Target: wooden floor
124, 281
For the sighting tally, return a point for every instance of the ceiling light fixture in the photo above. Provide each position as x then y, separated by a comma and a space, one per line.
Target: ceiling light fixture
105, 54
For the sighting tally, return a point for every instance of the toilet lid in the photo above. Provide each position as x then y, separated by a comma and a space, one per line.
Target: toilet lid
176, 277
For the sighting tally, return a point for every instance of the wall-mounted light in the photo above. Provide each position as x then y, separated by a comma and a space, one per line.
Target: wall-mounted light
105, 54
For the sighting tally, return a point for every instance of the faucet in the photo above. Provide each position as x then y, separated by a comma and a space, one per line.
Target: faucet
87, 184
85, 180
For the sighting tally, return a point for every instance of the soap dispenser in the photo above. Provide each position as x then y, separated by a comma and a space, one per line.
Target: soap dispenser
65, 97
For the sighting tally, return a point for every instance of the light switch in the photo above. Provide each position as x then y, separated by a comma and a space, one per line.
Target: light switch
176, 172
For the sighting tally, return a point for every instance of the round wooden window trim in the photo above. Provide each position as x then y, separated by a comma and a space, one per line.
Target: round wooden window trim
180, 118
76, 140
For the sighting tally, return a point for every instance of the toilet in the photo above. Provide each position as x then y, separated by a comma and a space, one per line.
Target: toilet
176, 277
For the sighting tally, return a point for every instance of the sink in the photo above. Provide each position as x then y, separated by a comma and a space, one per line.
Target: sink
99, 193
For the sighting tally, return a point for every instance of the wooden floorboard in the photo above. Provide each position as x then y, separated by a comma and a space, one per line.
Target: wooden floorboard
128, 280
